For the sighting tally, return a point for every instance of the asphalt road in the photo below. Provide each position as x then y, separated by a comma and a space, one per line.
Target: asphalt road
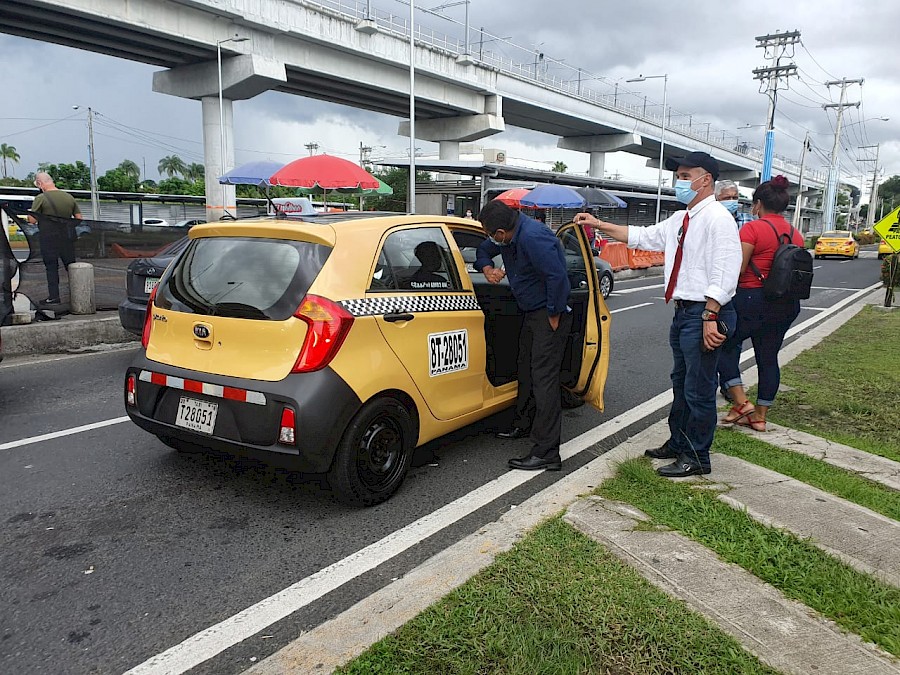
114, 548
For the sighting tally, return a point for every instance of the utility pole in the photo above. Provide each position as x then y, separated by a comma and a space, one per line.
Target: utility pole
364, 151
873, 194
311, 147
833, 170
95, 200
806, 148
776, 48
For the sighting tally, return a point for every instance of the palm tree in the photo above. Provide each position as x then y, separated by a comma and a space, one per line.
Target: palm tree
195, 172
8, 152
171, 165
559, 167
130, 169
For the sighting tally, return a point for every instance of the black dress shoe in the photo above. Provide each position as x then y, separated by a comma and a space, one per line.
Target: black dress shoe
662, 452
680, 469
514, 433
532, 463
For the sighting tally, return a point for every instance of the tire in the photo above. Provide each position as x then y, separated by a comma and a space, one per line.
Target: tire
374, 454
606, 284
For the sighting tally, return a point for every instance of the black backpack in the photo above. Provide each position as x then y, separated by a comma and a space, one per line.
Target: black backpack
792, 270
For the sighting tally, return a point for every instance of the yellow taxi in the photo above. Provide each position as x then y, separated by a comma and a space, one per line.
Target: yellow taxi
837, 242
884, 249
342, 342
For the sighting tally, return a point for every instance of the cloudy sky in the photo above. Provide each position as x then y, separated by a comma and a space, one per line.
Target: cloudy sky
707, 48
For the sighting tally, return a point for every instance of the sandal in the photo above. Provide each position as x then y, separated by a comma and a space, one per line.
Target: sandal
738, 413
756, 425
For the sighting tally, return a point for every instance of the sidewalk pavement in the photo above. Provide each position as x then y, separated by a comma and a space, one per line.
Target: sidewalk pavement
781, 632
74, 333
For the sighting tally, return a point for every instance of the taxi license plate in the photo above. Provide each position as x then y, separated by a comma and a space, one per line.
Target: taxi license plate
150, 284
196, 415
448, 352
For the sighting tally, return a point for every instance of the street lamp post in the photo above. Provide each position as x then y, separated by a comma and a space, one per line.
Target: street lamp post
219, 44
412, 107
662, 134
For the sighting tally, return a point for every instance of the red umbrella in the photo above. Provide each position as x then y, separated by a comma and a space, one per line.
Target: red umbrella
512, 197
323, 171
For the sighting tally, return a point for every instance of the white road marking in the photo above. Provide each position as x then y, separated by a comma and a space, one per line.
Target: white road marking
625, 309
816, 267
64, 432
211, 641
26, 360
833, 288
625, 291
814, 309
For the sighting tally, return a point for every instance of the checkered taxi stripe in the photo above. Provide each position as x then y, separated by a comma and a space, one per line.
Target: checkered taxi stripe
412, 304
231, 393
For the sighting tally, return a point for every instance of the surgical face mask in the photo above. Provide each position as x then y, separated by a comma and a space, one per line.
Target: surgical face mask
684, 191
731, 204
498, 242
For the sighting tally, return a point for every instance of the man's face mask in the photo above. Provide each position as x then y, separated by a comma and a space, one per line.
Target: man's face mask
498, 241
731, 204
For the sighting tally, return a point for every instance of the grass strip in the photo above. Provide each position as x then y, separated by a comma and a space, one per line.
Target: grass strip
558, 603
815, 472
847, 388
858, 602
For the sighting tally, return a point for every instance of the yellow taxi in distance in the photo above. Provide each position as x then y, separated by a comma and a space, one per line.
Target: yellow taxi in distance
343, 342
837, 242
884, 249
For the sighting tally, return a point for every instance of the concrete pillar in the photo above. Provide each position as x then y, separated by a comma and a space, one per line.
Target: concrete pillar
598, 163
449, 150
219, 198
81, 288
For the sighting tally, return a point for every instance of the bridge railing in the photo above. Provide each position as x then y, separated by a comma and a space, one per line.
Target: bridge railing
561, 77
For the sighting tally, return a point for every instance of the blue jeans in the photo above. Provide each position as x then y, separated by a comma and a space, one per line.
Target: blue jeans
765, 323
693, 417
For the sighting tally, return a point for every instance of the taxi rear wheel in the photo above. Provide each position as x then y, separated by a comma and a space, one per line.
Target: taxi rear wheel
374, 454
606, 284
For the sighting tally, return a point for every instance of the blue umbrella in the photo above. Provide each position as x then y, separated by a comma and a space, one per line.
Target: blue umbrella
251, 173
553, 197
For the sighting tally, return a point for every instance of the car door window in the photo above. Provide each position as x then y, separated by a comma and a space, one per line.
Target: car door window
575, 265
416, 259
468, 243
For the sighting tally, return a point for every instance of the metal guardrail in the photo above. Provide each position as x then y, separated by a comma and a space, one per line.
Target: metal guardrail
538, 72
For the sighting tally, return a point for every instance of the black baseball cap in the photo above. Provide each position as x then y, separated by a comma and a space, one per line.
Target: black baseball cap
692, 160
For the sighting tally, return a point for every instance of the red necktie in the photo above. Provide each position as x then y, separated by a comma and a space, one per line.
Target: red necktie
670, 287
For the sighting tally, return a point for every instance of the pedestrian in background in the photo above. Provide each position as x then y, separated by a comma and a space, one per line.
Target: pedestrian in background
535, 264
55, 239
727, 194
765, 322
702, 260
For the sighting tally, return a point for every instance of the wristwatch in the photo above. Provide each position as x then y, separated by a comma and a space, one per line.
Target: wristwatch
709, 315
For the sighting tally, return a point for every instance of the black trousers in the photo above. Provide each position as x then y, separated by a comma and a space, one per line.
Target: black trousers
55, 245
538, 404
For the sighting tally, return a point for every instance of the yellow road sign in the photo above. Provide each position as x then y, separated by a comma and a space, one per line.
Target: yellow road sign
888, 229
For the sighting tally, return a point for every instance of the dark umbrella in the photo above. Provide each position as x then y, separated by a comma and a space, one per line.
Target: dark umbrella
597, 197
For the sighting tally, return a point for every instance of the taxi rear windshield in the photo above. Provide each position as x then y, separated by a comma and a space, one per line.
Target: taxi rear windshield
242, 277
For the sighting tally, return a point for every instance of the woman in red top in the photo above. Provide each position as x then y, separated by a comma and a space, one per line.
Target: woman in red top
765, 322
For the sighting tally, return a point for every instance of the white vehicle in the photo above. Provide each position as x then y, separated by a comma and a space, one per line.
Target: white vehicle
189, 223
155, 222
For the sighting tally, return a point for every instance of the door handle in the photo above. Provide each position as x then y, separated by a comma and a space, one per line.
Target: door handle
398, 316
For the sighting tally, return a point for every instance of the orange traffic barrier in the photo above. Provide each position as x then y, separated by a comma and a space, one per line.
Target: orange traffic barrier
658, 258
616, 254
118, 251
638, 259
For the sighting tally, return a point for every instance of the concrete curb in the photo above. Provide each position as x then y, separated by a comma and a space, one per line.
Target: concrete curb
66, 335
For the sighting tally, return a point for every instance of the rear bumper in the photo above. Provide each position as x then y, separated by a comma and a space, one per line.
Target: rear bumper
131, 316
323, 403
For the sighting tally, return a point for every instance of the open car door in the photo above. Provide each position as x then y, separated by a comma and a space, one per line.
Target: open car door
586, 360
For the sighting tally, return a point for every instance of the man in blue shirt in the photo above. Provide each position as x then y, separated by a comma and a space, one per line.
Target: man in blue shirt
534, 263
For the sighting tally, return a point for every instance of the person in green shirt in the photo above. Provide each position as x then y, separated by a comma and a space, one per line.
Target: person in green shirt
54, 237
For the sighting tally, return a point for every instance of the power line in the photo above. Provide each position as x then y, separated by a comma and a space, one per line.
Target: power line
809, 54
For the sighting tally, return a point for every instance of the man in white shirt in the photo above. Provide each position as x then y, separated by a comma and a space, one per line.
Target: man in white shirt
703, 260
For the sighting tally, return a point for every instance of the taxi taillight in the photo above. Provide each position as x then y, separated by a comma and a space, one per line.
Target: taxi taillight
328, 324
148, 316
286, 432
131, 390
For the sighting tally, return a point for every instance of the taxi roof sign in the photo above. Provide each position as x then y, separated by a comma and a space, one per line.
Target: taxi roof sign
888, 228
